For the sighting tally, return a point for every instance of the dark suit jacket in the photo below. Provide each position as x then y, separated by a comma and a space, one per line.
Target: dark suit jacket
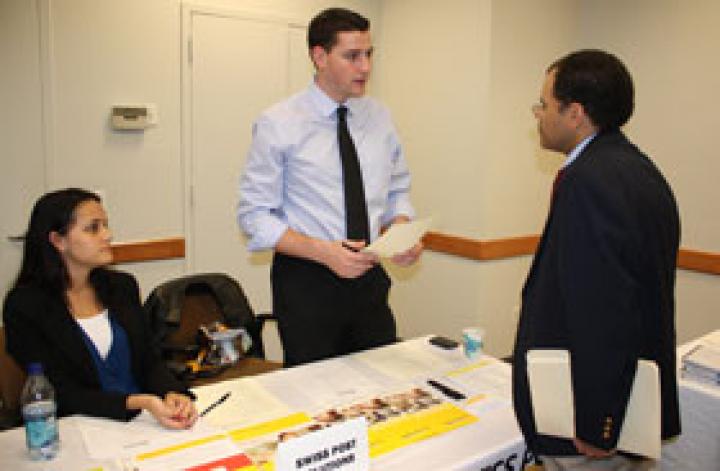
602, 286
39, 327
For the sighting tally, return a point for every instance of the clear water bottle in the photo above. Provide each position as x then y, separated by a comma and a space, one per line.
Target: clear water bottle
38, 410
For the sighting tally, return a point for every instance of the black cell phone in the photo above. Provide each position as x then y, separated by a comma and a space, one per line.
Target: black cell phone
443, 342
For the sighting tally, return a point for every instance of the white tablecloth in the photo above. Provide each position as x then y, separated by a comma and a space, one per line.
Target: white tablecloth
698, 447
493, 442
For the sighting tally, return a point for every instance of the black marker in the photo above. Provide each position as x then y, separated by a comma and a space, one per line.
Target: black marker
447, 391
350, 247
212, 406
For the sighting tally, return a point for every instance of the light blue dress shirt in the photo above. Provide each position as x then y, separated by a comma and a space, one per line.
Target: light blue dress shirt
293, 174
578, 149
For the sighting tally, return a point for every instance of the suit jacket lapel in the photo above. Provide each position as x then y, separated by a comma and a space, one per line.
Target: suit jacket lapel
548, 222
62, 328
539, 251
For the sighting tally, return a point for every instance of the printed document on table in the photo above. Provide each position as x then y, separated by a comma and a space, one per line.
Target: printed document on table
249, 402
105, 439
485, 375
320, 384
185, 454
408, 360
486, 382
704, 356
549, 374
712, 339
399, 238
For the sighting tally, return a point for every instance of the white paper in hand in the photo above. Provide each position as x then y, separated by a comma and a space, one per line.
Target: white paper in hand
399, 238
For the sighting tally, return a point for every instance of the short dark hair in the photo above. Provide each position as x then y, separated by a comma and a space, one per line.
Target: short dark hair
598, 81
324, 27
42, 264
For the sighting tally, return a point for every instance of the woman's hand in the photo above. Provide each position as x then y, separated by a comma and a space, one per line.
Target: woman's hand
183, 407
176, 411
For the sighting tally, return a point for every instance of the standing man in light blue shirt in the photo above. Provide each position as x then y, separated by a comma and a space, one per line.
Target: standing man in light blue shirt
301, 198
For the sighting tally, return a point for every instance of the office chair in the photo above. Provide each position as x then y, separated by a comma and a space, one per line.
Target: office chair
12, 378
178, 307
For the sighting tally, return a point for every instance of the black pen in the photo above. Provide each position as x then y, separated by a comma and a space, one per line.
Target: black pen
447, 391
350, 247
212, 406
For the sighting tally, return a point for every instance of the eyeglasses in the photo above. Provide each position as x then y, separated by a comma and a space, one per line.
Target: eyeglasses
538, 106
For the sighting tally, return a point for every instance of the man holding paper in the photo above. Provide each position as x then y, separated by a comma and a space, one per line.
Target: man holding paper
324, 175
602, 283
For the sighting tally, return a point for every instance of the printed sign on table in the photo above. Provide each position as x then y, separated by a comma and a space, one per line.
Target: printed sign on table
341, 447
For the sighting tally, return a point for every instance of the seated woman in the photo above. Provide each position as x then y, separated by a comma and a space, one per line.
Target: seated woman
84, 322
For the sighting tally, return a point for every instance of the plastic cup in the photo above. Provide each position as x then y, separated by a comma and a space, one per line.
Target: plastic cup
473, 342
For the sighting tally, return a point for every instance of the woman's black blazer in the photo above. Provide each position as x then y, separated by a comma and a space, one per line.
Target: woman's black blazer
39, 328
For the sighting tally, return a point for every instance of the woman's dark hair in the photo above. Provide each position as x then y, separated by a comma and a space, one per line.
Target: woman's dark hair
598, 81
324, 27
53, 212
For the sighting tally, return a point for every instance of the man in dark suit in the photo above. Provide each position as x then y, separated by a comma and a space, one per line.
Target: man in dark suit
602, 282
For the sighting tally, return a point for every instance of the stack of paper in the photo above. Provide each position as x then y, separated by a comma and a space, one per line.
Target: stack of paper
702, 364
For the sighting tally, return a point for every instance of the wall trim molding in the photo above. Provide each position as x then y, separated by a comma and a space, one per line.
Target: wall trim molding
496, 249
700, 261
149, 250
481, 249
473, 249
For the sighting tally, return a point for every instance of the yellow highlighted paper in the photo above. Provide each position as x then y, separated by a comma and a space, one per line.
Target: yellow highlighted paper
178, 447
402, 431
477, 398
469, 368
264, 428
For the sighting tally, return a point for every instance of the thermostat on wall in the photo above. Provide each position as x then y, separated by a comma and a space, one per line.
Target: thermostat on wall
134, 116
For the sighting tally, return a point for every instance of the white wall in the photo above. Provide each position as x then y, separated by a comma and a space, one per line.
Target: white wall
460, 81
21, 138
516, 172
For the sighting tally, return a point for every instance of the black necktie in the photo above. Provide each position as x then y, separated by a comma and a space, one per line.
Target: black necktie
356, 216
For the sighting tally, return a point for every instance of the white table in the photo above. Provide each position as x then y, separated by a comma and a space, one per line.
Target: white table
493, 442
698, 447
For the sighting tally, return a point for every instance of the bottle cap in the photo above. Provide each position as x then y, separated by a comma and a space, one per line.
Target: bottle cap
34, 368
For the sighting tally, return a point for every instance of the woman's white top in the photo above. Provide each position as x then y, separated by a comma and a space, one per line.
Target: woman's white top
98, 329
